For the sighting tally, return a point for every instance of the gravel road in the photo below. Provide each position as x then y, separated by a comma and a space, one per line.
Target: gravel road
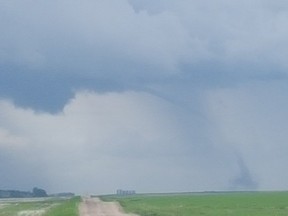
96, 207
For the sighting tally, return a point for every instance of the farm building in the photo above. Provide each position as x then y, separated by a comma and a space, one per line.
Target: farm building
125, 192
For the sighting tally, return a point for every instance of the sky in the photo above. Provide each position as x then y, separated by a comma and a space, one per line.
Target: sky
154, 96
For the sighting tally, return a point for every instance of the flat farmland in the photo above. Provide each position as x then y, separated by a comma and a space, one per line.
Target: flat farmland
229, 203
39, 207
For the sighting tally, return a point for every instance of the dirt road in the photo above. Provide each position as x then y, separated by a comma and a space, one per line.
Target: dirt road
96, 207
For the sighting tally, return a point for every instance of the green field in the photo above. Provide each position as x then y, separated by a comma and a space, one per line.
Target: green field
231, 203
66, 208
44, 207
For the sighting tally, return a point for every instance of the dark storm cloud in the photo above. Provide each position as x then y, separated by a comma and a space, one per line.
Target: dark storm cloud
112, 45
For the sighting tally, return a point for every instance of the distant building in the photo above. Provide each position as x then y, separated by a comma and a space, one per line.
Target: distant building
125, 192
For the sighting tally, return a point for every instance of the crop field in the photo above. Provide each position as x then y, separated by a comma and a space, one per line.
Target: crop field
231, 203
39, 207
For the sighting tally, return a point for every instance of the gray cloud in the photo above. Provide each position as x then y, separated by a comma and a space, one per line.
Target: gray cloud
103, 136
102, 38
51, 49
172, 89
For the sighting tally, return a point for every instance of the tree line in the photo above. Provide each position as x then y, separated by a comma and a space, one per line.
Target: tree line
36, 192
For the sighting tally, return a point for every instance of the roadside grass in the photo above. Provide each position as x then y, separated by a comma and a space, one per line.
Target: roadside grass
13, 209
66, 208
216, 204
48, 207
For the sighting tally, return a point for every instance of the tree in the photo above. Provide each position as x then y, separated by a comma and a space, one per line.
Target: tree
38, 192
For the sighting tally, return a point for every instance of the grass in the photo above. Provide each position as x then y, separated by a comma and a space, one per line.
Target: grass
66, 208
47, 207
232, 204
14, 208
